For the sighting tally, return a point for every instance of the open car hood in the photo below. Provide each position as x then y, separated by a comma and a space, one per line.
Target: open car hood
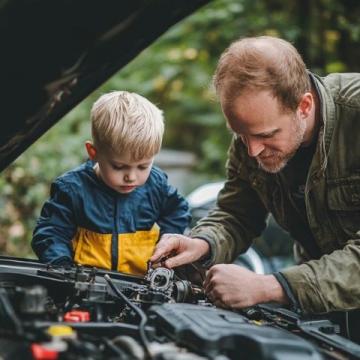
54, 53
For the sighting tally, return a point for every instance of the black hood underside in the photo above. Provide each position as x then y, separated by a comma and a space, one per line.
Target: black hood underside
54, 53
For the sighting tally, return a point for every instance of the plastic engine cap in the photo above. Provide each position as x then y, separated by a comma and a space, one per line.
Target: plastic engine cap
77, 316
61, 331
40, 352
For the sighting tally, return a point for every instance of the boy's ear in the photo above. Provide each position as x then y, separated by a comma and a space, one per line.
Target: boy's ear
91, 150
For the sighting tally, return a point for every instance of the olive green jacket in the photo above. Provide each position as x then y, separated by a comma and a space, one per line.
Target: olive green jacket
332, 198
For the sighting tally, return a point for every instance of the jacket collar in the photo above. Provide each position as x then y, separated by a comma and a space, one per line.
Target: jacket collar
327, 113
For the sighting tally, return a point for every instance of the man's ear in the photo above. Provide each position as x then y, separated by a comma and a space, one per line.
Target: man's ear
91, 150
306, 104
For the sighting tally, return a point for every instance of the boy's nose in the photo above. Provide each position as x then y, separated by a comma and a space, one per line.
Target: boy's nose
129, 178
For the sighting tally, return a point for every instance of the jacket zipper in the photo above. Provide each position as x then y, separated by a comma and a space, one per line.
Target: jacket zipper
115, 239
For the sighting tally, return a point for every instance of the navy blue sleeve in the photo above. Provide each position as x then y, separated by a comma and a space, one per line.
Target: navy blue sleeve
175, 215
56, 226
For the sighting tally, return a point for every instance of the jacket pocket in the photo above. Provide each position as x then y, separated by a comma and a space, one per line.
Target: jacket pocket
344, 204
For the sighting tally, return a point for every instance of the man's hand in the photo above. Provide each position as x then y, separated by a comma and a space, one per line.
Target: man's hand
234, 287
181, 249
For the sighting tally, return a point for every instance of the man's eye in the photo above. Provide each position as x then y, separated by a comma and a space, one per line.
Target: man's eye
266, 136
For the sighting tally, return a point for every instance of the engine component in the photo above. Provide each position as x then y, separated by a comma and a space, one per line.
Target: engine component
33, 300
77, 316
109, 315
160, 279
212, 332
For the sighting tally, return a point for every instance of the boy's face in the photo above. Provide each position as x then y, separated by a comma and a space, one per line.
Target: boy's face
120, 172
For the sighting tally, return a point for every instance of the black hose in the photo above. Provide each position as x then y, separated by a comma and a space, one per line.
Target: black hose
9, 312
202, 277
115, 349
138, 311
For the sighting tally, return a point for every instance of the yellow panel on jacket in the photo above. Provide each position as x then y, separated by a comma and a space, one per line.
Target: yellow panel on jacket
134, 249
92, 249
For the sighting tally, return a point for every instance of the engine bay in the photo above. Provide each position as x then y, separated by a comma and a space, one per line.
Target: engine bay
87, 313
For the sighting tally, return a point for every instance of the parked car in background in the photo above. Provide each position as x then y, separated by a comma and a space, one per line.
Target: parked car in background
270, 252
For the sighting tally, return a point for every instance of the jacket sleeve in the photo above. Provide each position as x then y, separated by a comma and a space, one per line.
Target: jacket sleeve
329, 283
55, 227
238, 218
175, 215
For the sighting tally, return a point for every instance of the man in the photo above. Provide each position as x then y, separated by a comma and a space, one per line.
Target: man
295, 153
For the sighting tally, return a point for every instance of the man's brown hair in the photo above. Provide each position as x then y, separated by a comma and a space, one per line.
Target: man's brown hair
262, 63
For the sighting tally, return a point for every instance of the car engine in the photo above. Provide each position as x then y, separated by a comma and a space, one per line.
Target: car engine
87, 313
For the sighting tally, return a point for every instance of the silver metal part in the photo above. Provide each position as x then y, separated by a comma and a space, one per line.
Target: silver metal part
160, 278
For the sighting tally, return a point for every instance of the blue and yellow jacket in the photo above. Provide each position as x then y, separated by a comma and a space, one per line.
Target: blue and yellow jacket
87, 222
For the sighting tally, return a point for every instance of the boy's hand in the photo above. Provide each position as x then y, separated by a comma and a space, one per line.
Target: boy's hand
181, 249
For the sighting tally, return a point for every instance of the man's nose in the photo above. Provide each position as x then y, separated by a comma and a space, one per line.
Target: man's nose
255, 147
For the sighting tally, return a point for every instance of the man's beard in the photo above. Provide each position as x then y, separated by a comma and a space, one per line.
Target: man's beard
276, 160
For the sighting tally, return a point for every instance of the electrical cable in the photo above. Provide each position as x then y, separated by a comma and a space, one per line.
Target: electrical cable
199, 272
347, 325
138, 311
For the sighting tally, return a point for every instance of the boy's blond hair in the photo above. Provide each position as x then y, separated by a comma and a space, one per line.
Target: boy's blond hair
124, 122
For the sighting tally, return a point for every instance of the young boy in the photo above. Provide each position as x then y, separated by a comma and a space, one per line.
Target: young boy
110, 211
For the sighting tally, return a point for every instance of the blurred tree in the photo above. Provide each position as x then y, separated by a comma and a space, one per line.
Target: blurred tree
175, 73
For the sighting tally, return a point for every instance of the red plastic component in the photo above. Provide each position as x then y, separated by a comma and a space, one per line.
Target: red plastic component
77, 316
40, 352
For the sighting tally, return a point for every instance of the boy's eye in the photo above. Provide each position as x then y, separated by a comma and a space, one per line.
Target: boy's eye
143, 167
117, 167
266, 136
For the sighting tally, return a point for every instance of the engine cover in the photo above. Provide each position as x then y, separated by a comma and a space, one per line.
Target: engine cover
210, 331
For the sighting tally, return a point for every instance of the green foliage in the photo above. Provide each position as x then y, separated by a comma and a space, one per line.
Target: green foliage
175, 73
